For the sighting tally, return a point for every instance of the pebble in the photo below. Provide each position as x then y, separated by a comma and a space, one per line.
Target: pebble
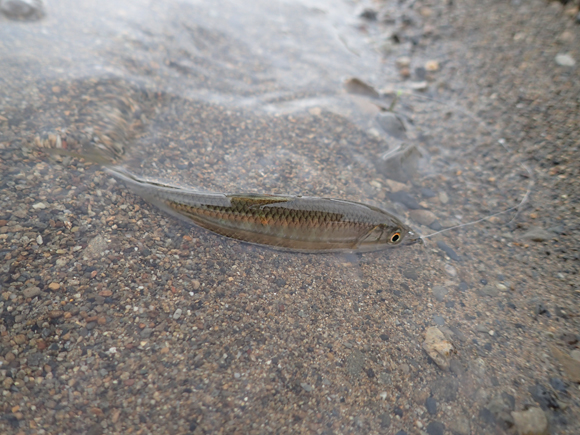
575, 354
177, 314
537, 234
438, 320
438, 347
39, 206
431, 405
432, 65
31, 292
385, 420
439, 292
570, 338
443, 198
418, 86
403, 62
435, 428
306, 387
451, 271
564, 59
448, 250
54, 286
570, 365
395, 186
424, 217
488, 290
39, 239
531, 422
405, 199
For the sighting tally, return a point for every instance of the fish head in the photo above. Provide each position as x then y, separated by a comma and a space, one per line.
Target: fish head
389, 234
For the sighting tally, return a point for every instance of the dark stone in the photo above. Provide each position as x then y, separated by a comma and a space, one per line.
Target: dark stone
280, 282
435, 428
436, 226
427, 193
544, 397
405, 199
558, 385
91, 325
370, 373
35, 359
385, 420
420, 74
463, 286
369, 14
384, 337
401, 432
398, 411
487, 416
431, 405
448, 251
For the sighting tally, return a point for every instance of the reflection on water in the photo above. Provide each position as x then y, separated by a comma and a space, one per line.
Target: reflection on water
121, 313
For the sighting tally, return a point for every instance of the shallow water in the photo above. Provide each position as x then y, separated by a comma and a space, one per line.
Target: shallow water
231, 97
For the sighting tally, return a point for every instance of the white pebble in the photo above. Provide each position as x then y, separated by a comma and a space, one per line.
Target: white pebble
39, 239
177, 314
564, 59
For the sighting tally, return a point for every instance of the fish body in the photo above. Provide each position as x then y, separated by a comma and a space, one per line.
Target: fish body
296, 223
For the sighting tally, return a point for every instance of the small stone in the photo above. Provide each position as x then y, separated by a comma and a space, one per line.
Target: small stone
39, 206
368, 14
432, 65
488, 290
450, 270
395, 186
448, 250
306, 387
424, 217
19, 339
438, 347
537, 234
406, 199
39, 239
438, 320
431, 405
443, 198
55, 314
410, 274
435, 428
575, 354
439, 292
177, 314
531, 422
31, 292
106, 293
146, 333
195, 284
418, 86
501, 407
385, 420
570, 365
54, 286
564, 59
403, 62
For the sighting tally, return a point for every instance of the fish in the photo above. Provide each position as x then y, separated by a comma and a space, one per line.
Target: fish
284, 222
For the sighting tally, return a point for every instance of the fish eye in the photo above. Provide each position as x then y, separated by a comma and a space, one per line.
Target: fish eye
395, 237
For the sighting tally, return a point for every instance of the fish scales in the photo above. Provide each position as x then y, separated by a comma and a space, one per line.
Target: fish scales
297, 223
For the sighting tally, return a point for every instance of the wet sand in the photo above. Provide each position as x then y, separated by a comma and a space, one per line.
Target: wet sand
119, 319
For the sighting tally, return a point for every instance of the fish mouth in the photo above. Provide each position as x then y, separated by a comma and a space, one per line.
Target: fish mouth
413, 239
